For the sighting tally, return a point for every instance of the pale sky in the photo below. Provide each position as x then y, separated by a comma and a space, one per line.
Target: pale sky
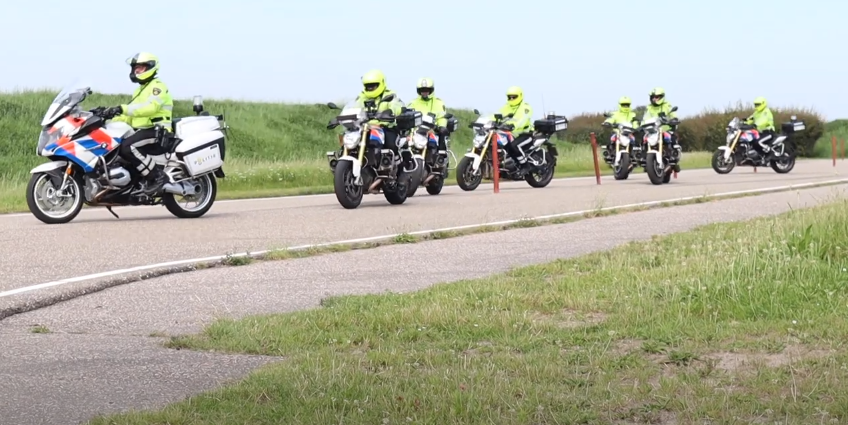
568, 56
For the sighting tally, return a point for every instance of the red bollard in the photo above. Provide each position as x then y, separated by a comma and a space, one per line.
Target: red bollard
595, 156
833, 148
496, 171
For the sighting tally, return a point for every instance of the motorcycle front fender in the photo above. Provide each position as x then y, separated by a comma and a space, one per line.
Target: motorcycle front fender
475, 164
49, 166
357, 166
726, 150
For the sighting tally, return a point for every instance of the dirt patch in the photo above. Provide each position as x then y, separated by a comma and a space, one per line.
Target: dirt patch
627, 346
747, 361
570, 319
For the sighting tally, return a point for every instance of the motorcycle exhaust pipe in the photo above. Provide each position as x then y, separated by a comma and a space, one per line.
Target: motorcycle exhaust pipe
181, 189
430, 177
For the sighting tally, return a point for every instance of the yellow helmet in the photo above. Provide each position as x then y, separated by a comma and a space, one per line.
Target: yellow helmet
659, 93
624, 104
149, 61
514, 96
760, 104
374, 83
425, 84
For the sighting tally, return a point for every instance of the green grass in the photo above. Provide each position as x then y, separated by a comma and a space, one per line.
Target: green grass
274, 149
732, 323
824, 146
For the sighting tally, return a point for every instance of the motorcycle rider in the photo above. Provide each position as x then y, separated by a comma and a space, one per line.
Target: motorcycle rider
426, 102
624, 115
660, 104
763, 120
151, 105
519, 114
374, 89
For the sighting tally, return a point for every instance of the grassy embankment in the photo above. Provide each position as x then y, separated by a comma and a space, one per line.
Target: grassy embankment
275, 149
686, 327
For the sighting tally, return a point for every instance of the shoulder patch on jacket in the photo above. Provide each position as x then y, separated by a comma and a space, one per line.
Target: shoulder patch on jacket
156, 91
526, 110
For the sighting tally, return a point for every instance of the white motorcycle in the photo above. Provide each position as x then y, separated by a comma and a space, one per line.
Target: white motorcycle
85, 167
659, 160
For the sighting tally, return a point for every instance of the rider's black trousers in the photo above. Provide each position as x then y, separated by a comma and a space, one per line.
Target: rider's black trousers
512, 147
129, 150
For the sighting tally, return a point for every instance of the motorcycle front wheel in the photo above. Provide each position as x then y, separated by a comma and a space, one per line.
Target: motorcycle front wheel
48, 205
417, 177
720, 165
465, 177
347, 192
622, 171
656, 173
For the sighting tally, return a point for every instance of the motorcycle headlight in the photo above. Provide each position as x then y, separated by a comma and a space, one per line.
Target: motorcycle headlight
419, 141
478, 140
653, 139
45, 139
624, 140
731, 136
351, 140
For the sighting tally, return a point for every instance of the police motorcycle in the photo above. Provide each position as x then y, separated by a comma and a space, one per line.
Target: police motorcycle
489, 130
432, 164
741, 152
660, 161
362, 164
85, 168
627, 152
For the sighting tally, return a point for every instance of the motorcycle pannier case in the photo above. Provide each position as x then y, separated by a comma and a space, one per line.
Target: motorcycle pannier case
452, 125
202, 152
551, 124
793, 126
409, 120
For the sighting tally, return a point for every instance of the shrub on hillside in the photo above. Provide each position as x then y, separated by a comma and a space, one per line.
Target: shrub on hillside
706, 130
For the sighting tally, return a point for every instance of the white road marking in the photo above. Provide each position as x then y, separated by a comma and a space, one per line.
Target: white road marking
384, 237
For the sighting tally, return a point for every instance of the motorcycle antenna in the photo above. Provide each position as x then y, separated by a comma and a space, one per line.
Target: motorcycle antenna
544, 111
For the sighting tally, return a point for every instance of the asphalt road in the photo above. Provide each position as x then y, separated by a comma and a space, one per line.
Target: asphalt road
35, 253
99, 357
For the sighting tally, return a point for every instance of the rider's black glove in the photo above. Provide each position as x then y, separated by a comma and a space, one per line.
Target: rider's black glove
674, 121
442, 131
112, 112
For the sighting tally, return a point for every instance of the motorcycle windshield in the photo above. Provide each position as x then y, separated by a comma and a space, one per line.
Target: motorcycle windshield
734, 123
484, 121
67, 100
353, 107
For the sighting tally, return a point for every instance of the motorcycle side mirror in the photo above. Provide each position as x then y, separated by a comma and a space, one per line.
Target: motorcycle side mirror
476, 111
389, 98
332, 105
448, 116
498, 117
607, 114
198, 105
674, 109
